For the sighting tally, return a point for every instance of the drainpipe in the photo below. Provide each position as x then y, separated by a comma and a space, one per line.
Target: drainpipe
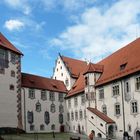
123, 106
24, 108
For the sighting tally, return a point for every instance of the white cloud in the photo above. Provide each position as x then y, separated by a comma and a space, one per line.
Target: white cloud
13, 24
21, 5
70, 5
97, 33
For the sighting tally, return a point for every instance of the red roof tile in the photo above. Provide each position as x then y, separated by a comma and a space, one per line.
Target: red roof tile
8, 45
38, 82
101, 115
74, 66
121, 63
78, 87
93, 68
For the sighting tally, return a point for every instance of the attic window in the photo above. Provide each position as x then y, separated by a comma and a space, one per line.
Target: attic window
54, 86
122, 67
73, 87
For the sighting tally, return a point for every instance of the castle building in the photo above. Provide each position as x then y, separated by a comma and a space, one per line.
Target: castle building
10, 85
82, 96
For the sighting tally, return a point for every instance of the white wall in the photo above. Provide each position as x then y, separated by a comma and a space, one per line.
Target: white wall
39, 116
8, 98
60, 69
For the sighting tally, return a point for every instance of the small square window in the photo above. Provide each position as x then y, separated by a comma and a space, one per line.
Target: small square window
12, 87
32, 127
31, 93
42, 127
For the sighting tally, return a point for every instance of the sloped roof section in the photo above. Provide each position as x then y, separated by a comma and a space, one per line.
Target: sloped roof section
78, 87
8, 45
38, 82
101, 115
93, 68
121, 63
74, 66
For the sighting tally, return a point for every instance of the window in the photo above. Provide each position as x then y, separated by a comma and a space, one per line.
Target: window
2, 71
12, 87
138, 83
52, 108
61, 67
32, 127
61, 74
104, 109
30, 117
122, 67
129, 128
81, 114
42, 127
53, 127
75, 101
43, 95
47, 117
76, 115
31, 93
83, 99
127, 90
117, 109
61, 109
72, 116
38, 107
134, 107
115, 89
67, 82
101, 93
68, 116
3, 58
12, 73
85, 114
52, 96
13, 58
69, 103
61, 118
86, 81
60, 97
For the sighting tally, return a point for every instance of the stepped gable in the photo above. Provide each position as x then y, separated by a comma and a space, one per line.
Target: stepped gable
123, 62
101, 115
93, 68
8, 45
38, 82
74, 66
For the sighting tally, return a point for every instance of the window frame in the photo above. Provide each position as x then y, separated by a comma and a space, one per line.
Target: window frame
31, 91
115, 109
101, 94
104, 109
138, 76
115, 85
43, 95
38, 104
136, 107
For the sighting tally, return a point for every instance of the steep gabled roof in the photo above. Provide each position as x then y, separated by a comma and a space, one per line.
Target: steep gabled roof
93, 68
38, 82
78, 87
8, 45
75, 67
101, 115
121, 63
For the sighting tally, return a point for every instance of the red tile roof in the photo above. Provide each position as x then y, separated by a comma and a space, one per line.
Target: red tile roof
8, 45
121, 63
78, 87
101, 115
74, 66
38, 82
93, 68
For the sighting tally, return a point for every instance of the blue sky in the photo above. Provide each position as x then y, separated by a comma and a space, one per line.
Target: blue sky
83, 29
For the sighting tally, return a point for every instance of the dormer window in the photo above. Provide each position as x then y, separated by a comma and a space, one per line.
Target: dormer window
122, 67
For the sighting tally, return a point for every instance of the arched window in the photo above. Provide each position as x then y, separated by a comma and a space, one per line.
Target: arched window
52, 108
38, 107
47, 117
30, 117
104, 109
61, 109
61, 118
